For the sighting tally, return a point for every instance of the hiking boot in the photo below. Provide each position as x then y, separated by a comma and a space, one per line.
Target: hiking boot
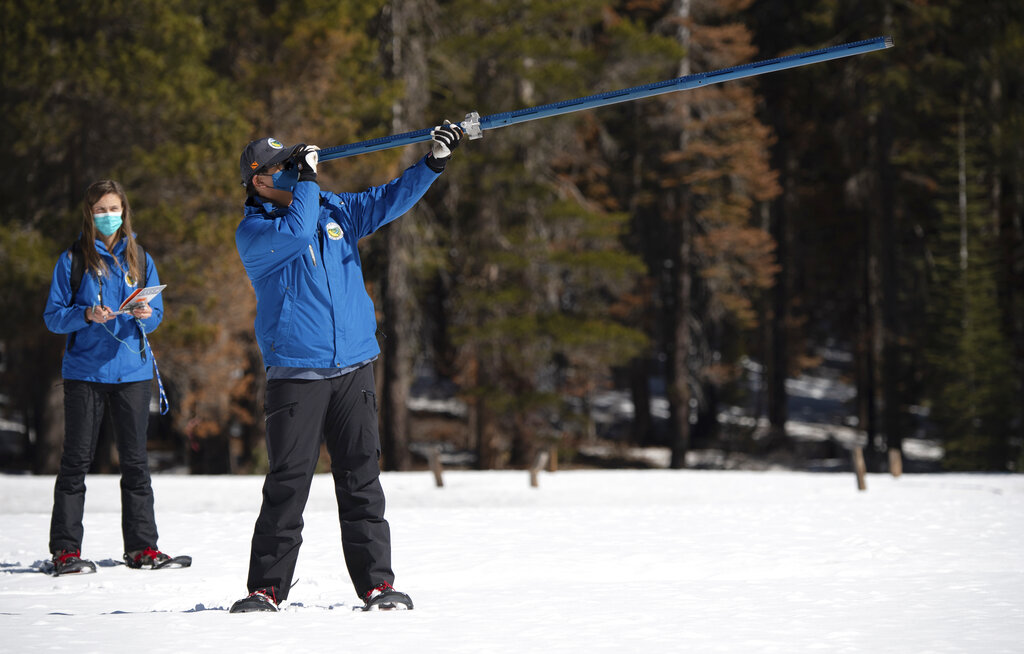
66, 562
384, 597
146, 558
261, 599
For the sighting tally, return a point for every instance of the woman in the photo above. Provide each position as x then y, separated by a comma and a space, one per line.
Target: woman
107, 367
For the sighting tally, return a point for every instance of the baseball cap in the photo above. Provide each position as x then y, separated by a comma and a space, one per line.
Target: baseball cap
264, 153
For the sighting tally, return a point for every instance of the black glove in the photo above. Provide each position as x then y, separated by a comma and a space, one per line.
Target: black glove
446, 138
306, 159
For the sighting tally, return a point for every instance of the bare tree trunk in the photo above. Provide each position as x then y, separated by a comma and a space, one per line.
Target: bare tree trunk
890, 322
487, 452
777, 357
523, 443
50, 437
639, 369
643, 425
890, 288
679, 378
961, 152
408, 64
679, 347
1013, 235
860, 209
870, 347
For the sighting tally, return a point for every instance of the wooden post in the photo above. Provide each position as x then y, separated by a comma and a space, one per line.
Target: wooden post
860, 468
553, 459
895, 462
435, 465
538, 465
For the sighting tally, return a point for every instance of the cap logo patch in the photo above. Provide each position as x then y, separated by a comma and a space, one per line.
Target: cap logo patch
254, 165
274, 143
334, 231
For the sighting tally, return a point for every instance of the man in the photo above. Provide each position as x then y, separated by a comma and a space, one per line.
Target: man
315, 325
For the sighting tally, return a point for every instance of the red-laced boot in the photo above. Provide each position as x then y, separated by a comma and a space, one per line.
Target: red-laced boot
146, 558
67, 562
383, 597
261, 599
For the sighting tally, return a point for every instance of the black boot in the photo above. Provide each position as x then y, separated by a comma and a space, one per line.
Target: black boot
385, 598
261, 599
153, 559
66, 562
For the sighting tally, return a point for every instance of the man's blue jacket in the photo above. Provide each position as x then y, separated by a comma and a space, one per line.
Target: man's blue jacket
303, 261
115, 351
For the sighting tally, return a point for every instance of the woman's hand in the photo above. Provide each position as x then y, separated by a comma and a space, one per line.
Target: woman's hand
99, 314
142, 312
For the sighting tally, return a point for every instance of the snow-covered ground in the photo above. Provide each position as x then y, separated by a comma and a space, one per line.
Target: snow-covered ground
591, 561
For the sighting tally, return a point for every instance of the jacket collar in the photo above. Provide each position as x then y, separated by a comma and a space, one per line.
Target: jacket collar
119, 247
255, 206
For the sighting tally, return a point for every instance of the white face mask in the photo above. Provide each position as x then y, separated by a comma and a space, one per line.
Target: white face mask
107, 223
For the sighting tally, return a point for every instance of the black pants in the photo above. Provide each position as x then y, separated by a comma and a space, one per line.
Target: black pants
84, 404
341, 412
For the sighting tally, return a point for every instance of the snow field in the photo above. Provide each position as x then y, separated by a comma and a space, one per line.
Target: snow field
591, 561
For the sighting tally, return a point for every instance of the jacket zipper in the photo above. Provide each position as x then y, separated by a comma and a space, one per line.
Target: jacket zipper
312, 255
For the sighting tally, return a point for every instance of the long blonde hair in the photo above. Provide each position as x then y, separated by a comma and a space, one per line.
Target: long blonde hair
93, 261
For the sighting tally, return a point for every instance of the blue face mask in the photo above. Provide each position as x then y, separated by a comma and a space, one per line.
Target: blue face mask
286, 179
107, 223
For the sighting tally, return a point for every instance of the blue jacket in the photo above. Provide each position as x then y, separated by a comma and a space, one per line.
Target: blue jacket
113, 352
303, 261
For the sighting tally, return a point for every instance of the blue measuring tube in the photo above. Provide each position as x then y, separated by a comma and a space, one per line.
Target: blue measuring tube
474, 125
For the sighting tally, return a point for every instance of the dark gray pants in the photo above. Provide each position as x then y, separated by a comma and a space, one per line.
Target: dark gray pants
342, 413
84, 404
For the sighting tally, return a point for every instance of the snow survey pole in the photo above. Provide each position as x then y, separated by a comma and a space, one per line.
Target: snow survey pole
474, 125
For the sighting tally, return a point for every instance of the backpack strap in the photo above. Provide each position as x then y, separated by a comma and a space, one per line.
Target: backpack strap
78, 271
144, 264
77, 267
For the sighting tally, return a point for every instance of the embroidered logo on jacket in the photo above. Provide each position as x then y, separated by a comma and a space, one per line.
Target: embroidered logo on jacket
334, 231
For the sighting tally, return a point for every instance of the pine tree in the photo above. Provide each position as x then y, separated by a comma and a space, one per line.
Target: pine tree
163, 96
698, 178
92, 93
534, 265
970, 356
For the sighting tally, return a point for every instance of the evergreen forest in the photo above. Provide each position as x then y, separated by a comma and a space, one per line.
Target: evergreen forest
871, 207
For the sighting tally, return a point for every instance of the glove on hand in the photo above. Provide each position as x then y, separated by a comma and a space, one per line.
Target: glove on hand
446, 138
307, 160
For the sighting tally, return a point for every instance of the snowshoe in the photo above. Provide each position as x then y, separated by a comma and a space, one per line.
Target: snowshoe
384, 597
152, 559
66, 563
262, 599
